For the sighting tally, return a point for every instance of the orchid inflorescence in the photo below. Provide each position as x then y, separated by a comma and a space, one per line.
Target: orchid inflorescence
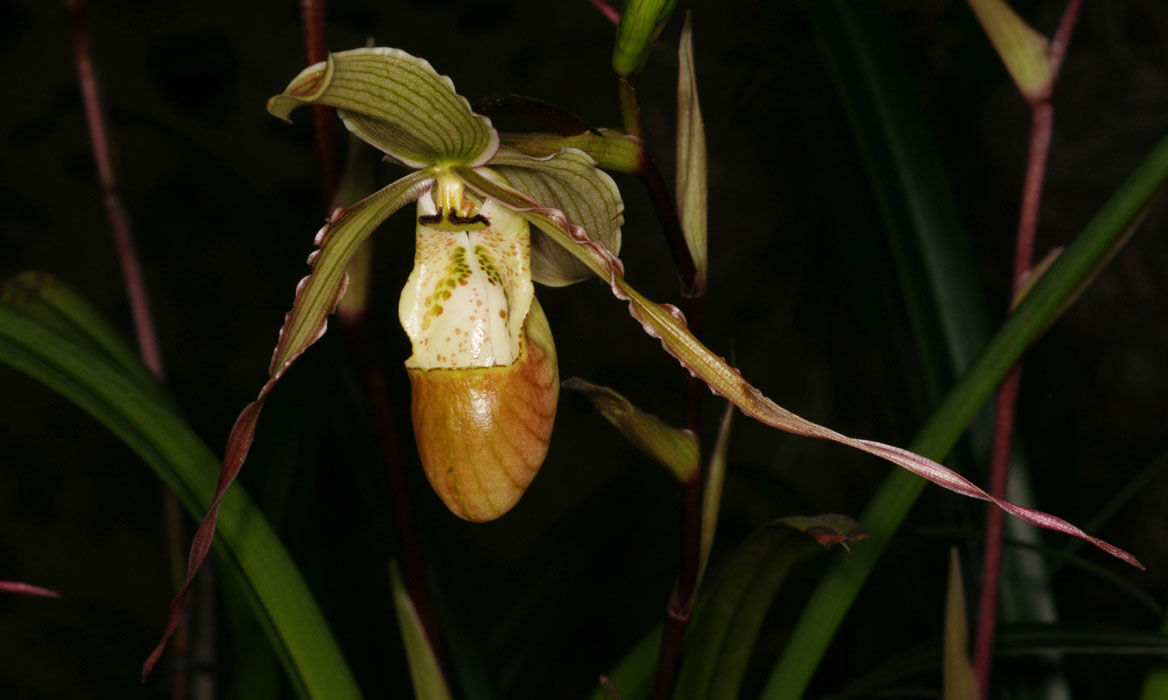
494, 214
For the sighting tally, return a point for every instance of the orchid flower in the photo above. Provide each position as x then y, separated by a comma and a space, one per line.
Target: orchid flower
493, 214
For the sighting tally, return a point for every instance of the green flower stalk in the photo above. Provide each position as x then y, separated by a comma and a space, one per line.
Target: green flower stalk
491, 219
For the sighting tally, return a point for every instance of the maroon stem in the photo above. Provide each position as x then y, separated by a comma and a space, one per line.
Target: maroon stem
144, 329
666, 212
356, 331
115, 211
355, 326
316, 49
1041, 128
681, 602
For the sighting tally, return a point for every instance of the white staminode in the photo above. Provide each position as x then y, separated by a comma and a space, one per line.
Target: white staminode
469, 292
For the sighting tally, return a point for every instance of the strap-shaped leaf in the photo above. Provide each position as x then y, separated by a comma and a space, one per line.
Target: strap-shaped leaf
691, 158
425, 671
665, 322
55, 304
712, 493
316, 297
570, 182
730, 617
396, 102
673, 448
69, 361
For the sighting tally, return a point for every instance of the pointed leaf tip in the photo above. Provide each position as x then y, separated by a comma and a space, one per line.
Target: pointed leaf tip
425, 671
691, 159
957, 677
665, 323
1023, 50
828, 529
671, 447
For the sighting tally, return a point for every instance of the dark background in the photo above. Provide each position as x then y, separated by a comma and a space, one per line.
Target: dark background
224, 201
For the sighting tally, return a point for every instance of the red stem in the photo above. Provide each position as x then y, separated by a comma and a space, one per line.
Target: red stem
1041, 129
119, 221
356, 330
316, 49
1062, 36
144, 329
681, 602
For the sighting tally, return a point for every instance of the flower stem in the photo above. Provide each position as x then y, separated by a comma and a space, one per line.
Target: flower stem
312, 13
681, 602
356, 331
148, 347
355, 327
119, 220
1041, 129
666, 212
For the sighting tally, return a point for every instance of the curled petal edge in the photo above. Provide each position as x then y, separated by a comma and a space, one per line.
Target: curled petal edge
317, 296
666, 323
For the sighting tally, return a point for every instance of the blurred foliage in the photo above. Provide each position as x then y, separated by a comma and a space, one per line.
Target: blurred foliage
224, 201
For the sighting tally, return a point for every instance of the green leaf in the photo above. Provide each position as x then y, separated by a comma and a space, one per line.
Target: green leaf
712, 493
723, 633
55, 304
1156, 680
641, 22
666, 323
133, 410
316, 297
396, 102
425, 671
838, 589
1015, 641
633, 675
924, 234
672, 448
957, 679
569, 182
691, 158
612, 149
725, 643
1023, 50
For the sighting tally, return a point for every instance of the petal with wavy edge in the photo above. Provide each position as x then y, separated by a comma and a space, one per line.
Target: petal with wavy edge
666, 323
316, 297
569, 181
396, 102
